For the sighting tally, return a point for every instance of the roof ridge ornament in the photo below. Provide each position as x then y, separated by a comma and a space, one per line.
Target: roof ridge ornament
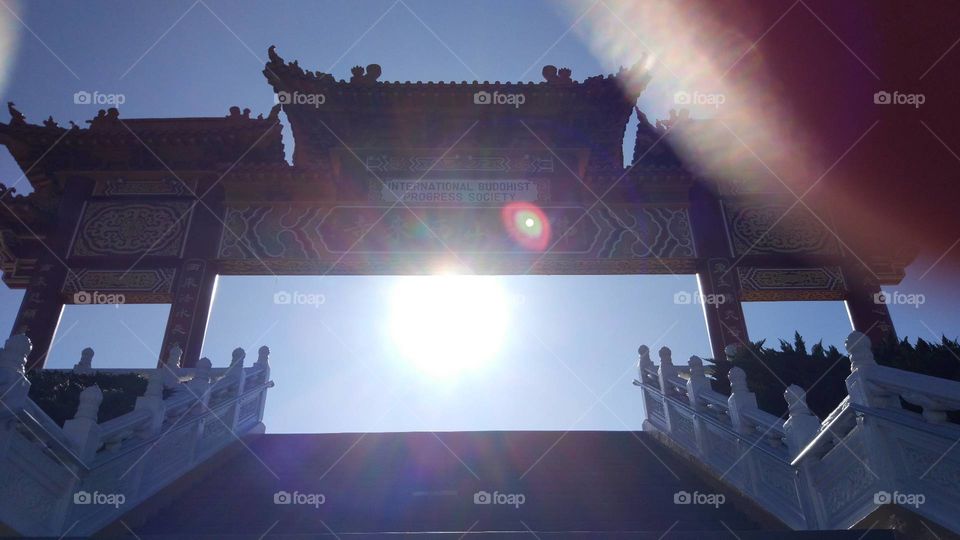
16, 117
371, 75
554, 76
105, 118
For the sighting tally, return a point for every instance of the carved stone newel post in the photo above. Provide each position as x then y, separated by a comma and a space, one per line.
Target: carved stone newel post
82, 430
740, 401
697, 383
801, 425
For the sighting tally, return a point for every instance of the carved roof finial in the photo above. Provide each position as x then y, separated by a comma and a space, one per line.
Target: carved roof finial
16, 117
273, 56
549, 73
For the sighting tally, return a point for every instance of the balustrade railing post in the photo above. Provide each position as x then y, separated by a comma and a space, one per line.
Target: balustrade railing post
666, 374
740, 401
263, 362
85, 365
644, 364
199, 385
667, 371
696, 385
152, 402
802, 425
83, 430
862, 365
171, 367
14, 385
235, 374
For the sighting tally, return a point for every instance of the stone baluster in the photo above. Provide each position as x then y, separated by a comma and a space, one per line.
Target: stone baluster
697, 383
171, 367
14, 386
85, 365
263, 357
235, 371
199, 385
263, 363
802, 425
644, 364
862, 365
83, 430
740, 401
667, 371
152, 402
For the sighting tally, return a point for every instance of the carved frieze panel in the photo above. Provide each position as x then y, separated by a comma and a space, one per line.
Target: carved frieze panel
439, 161
153, 280
772, 284
140, 187
756, 227
459, 192
132, 229
308, 232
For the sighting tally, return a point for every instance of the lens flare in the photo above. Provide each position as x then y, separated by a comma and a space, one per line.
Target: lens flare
448, 325
527, 225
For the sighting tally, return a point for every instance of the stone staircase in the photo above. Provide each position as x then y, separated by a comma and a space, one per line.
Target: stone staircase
582, 484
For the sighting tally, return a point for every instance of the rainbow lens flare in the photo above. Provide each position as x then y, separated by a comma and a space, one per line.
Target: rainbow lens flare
527, 225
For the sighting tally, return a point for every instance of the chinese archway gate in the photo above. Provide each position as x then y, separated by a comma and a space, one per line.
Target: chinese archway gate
398, 178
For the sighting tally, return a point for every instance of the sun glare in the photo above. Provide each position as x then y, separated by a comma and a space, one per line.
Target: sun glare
448, 324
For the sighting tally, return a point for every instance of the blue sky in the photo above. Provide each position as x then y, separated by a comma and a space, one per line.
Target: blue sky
565, 362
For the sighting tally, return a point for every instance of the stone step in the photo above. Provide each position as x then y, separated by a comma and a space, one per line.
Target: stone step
383, 485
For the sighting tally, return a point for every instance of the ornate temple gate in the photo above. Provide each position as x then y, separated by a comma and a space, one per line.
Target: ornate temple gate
400, 178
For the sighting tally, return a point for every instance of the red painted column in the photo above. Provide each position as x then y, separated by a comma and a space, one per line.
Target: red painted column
40, 310
720, 296
195, 282
190, 310
716, 275
42, 303
865, 305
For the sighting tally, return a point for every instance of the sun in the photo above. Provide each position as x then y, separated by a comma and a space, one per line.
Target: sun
448, 324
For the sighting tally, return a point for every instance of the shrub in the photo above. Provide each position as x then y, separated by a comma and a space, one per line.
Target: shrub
58, 392
822, 371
